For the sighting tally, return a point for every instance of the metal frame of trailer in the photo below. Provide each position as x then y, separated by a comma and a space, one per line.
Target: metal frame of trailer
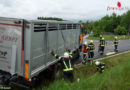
28, 44
56, 34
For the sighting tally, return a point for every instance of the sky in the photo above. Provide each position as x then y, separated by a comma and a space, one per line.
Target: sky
66, 9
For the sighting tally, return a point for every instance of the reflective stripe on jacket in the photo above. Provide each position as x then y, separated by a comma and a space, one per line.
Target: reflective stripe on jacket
91, 47
102, 43
116, 42
101, 65
65, 62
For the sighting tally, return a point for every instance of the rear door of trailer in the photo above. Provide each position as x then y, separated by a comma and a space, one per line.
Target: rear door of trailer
11, 45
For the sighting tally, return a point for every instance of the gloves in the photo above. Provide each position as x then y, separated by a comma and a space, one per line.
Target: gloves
52, 52
67, 49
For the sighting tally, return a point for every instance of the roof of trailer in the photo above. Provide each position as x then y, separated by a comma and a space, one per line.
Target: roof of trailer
50, 21
9, 19
37, 21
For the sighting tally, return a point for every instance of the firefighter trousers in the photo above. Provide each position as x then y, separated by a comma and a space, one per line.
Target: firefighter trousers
68, 75
90, 56
100, 69
116, 47
102, 49
84, 57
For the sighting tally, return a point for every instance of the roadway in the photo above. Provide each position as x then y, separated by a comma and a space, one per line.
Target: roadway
124, 45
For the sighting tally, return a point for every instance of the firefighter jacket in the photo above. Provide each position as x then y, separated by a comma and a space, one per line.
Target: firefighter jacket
101, 65
116, 42
65, 62
91, 47
102, 43
85, 49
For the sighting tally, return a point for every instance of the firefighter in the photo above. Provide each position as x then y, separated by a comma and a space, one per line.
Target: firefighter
100, 38
99, 42
66, 64
102, 46
100, 66
91, 48
85, 52
116, 41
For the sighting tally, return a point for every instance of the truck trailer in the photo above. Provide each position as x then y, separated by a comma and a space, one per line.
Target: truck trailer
25, 45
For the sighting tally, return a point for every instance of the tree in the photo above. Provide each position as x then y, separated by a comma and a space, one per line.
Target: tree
80, 22
125, 20
88, 26
50, 18
98, 28
120, 30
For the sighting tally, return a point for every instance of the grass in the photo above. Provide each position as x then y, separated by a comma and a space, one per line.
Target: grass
109, 37
115, 77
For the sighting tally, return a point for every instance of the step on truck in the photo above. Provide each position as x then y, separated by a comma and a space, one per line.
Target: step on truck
25, 46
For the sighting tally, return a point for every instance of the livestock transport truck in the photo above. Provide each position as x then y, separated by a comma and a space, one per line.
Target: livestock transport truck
25, 47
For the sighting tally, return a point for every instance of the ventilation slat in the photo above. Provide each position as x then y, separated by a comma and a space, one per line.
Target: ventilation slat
39, 27
69, 26
52, 27
74, 26
62, 26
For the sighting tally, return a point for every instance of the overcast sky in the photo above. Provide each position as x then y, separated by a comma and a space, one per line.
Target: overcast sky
66, 9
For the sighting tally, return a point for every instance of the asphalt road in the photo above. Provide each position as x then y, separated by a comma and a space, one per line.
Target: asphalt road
124, 45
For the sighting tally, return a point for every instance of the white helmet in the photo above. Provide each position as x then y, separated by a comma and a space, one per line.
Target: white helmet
100, 35
66, 54
97, 62
85, 43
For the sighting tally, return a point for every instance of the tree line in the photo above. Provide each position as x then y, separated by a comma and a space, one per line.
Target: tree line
50, 18
117, 24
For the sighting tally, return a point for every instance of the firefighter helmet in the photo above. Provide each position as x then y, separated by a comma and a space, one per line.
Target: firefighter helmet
115, 37
97, 62
91, 41
85, 43
66, 54
100, 35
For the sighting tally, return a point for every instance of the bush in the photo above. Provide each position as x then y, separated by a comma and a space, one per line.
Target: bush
120, 30
98, 31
